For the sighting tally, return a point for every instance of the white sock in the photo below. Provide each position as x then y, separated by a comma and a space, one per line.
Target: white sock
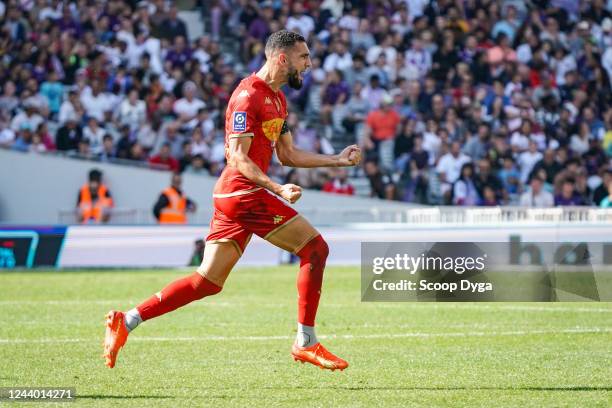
132, 320
306, 336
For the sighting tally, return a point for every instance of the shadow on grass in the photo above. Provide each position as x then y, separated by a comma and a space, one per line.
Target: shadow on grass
375, 388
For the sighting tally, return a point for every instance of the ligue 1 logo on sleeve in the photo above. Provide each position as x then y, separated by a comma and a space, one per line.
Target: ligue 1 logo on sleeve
239, 121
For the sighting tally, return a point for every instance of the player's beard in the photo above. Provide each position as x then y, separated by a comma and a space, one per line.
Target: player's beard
293, 79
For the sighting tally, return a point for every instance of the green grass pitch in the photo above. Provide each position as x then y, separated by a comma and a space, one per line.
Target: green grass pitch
233, 349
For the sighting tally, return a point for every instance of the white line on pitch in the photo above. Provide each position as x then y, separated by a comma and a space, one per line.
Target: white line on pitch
576, 330
429, 305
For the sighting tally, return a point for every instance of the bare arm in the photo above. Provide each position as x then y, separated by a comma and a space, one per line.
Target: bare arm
291, 156
239, 159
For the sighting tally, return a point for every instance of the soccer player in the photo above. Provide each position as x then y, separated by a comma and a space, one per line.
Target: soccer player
247, 202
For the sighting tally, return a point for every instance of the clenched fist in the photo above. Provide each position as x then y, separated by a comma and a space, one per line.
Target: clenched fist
290, 192
350, 156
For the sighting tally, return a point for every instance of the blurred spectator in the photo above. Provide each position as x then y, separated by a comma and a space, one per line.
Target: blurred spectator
339, 59
510, 177
198, 253
132, 111
602, 190
24, 138
536, 196
170, 135
173, 26
528, 159
579, 143
197, 165
95, 101
339, 184
449, 169
84, 149
489, 197
382, 184
42, 132
188, 106
53, 91
94, 201
71, 108
464, 189
549, 164
136, 152
381, 127
172, 205
29, 116
568, 194
7, 136
476, 145
94, 134
8, 100
185, 158
69, 135
485, 178
300, 21
335, 92
198, 145
164, 160
606, 202
107, 152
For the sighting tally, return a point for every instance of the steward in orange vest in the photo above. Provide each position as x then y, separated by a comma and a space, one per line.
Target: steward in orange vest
94, 200
172, 205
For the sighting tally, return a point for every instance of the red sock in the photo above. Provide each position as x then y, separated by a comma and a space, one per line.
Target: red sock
310, 279
177, 294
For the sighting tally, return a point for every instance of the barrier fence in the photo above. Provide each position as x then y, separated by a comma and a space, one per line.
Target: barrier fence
414, 216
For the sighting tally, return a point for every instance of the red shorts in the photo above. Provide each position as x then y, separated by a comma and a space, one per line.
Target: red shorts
237, 217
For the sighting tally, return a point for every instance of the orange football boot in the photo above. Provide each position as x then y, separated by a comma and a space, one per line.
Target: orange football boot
115, 338
319, 356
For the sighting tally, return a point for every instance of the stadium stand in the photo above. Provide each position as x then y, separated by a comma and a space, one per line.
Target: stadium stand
518, 88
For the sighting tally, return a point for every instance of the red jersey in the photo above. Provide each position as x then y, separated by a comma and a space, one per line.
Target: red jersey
254, 110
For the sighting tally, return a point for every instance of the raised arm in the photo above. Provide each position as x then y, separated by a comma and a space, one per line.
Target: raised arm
239, 159
291, 156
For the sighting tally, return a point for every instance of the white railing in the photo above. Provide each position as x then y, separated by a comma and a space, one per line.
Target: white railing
412, 215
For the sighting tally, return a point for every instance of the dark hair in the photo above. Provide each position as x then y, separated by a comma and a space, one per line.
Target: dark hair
281, 40
468, 165
95, 175
569, 180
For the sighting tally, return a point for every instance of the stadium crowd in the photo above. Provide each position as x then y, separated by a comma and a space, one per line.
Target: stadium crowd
464, 102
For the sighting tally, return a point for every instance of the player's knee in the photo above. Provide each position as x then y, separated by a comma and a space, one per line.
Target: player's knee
203, 286
323, 248
316, 251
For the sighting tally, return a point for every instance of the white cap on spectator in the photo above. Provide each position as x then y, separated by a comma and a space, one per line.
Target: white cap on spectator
71, 117
189, 86
606, 24
583, 25
30, 103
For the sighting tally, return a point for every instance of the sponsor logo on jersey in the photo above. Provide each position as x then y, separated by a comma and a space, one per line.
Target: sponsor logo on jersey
239, 121
267, 101
272, 128
244, 93
278, 219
